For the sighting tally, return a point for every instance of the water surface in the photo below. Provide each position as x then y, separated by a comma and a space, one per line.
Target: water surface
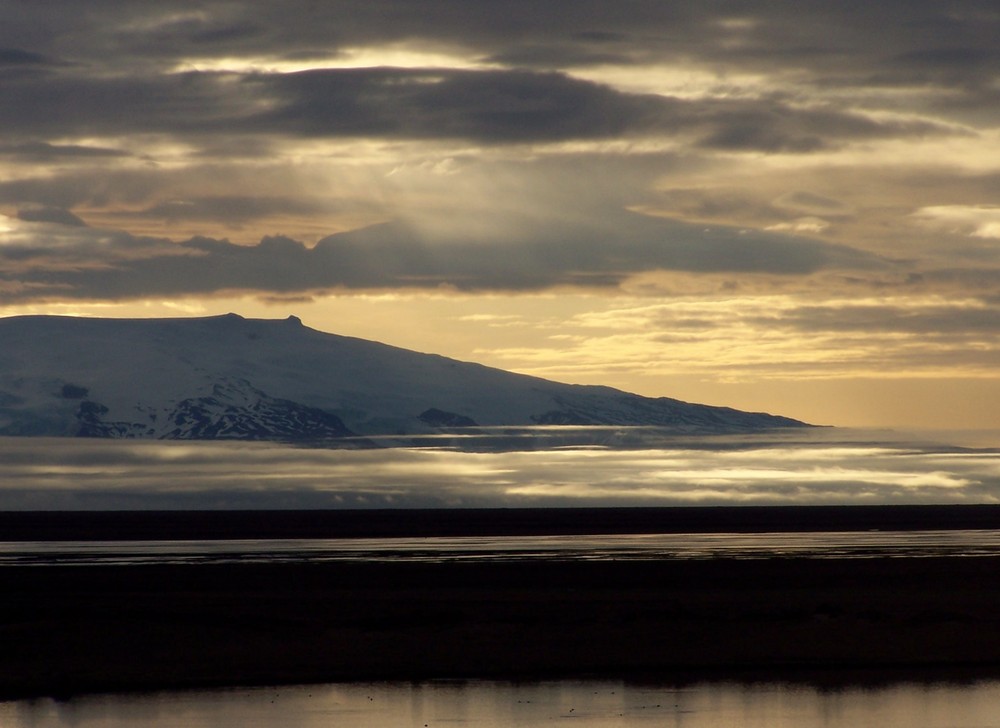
624, 547
597, 704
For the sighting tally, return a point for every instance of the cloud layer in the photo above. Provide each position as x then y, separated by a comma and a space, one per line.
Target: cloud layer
73, 261
147, 120
111, 475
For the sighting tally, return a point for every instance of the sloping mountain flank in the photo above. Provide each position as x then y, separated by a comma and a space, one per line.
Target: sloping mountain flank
226, 377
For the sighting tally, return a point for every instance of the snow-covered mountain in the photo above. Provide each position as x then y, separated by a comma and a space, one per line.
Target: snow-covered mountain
235, 378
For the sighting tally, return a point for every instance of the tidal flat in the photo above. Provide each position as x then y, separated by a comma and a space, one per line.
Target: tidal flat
69, 630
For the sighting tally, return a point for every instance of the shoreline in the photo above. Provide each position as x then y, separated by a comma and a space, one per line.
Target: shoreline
388, 523
74, 630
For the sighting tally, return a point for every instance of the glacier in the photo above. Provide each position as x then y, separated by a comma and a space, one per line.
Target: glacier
229, 377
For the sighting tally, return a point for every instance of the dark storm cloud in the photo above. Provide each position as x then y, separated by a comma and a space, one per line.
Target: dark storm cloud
13, 57
71, 104
609, 247
971, 69
80, 87
45, 152
97, 264
809, 30
229, 208
120, 78
772, 126
70, 189
942, 321
41, 213
107, 69
486, 106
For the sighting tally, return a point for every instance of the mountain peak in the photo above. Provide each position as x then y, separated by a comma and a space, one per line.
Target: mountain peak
277, 379
226, 317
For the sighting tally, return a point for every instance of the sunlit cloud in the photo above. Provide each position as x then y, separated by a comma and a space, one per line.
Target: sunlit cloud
801, 225
680, 81
101, 474
394, 55
979, 221
783, 337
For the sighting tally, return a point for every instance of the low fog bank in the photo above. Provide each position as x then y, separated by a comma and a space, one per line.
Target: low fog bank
554, 468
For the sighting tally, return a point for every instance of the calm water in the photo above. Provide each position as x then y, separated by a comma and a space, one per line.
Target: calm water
496, 705
865, 544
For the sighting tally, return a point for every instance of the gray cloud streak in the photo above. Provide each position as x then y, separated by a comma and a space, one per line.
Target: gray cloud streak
810, 32
495, 107
944, 321
85, 263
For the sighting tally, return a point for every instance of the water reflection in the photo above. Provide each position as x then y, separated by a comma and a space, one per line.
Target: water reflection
626, 547
492, 705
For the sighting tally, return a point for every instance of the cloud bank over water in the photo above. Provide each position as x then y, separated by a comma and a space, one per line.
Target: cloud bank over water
823, 469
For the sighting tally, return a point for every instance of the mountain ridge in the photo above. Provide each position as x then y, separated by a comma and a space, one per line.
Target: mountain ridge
228, 377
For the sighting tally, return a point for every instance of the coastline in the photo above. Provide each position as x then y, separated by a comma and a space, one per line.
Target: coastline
127, 525
73, 630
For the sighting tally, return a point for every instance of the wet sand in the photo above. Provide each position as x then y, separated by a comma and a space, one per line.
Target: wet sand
66, 630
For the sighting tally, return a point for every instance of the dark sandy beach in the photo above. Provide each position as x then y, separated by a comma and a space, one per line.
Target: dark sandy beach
65, 630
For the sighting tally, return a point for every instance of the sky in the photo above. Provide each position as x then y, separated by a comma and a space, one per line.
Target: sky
791, 207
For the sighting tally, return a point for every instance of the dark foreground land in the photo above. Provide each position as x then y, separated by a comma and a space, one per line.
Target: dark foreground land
65, 630
386, 523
